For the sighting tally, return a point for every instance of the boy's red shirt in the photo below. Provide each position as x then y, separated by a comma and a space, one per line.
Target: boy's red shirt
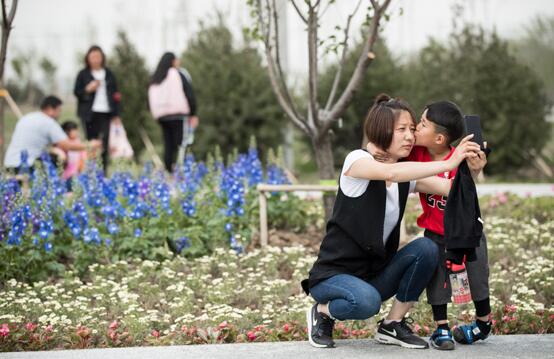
433, 205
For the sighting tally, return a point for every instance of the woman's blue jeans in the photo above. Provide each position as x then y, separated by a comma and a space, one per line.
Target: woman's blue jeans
407, 275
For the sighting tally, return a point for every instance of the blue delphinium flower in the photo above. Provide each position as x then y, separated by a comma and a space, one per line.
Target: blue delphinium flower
112, 227
45, 229
253, 167
19, 225
189, 177
92, 235
276, 175
182, 243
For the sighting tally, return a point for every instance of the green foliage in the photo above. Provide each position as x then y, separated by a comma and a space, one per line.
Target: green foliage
477, 71
233, 93
132, 80
25, 88
536, 49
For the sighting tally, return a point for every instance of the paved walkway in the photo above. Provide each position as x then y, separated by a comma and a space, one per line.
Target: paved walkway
520, 189
504, 346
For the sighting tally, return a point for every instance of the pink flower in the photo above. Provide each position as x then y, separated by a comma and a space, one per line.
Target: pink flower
30, 326
4, 330
426, 328
155, 333
112, 335
286, 328
223, 325
510, 308
502, 198
251, 336
417, 328
83, 332
114, 325
48, 328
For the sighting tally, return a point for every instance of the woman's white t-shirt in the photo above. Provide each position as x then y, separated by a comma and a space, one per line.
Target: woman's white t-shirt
355, 187
100, 103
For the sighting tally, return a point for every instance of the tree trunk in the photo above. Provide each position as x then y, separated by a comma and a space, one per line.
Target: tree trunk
324, 158
7, 20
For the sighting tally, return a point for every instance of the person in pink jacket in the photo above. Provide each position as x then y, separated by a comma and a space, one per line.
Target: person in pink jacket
173, 105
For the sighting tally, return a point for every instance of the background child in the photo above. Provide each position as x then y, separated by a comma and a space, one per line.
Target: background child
75, 159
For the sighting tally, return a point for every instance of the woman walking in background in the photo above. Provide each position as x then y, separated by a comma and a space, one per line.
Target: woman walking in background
172, 103
98, 99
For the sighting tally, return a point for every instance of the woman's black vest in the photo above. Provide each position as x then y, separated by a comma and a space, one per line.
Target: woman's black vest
353, 243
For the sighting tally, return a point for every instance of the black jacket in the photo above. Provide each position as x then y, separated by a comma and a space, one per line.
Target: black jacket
462, 226
85, 100
353, 243
189, 93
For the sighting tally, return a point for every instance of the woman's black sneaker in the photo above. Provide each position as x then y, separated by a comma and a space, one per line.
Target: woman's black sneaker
320, 328
399, 333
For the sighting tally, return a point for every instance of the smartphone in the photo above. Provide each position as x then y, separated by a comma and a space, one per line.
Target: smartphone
473, 126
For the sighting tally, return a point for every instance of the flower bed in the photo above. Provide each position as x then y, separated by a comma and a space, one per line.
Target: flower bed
148, 260
255, 296
147, 216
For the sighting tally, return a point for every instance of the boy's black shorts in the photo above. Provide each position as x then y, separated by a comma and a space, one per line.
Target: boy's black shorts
477, 272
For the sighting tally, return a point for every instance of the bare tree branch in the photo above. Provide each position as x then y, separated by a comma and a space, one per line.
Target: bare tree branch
343, 57
271, 66
312, 65
299, 12
322, 13
4, 15
363, 62
375, 5
279, 67
12, 11
7, 20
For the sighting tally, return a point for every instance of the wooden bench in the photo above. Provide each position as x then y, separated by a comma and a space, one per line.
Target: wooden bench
264, 188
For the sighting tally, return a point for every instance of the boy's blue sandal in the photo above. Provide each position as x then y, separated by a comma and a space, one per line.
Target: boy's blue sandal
468, 333
441, 339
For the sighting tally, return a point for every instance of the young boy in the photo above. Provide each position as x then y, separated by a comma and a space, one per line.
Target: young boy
441, 124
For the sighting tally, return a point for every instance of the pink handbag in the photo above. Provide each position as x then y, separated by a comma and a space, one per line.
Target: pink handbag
119, 145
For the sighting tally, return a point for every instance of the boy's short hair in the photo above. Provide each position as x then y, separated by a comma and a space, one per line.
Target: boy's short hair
379, 123
69, 125
50, 101
448, 118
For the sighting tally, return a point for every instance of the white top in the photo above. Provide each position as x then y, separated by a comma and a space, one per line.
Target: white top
33, 132
355, 187
100, 103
